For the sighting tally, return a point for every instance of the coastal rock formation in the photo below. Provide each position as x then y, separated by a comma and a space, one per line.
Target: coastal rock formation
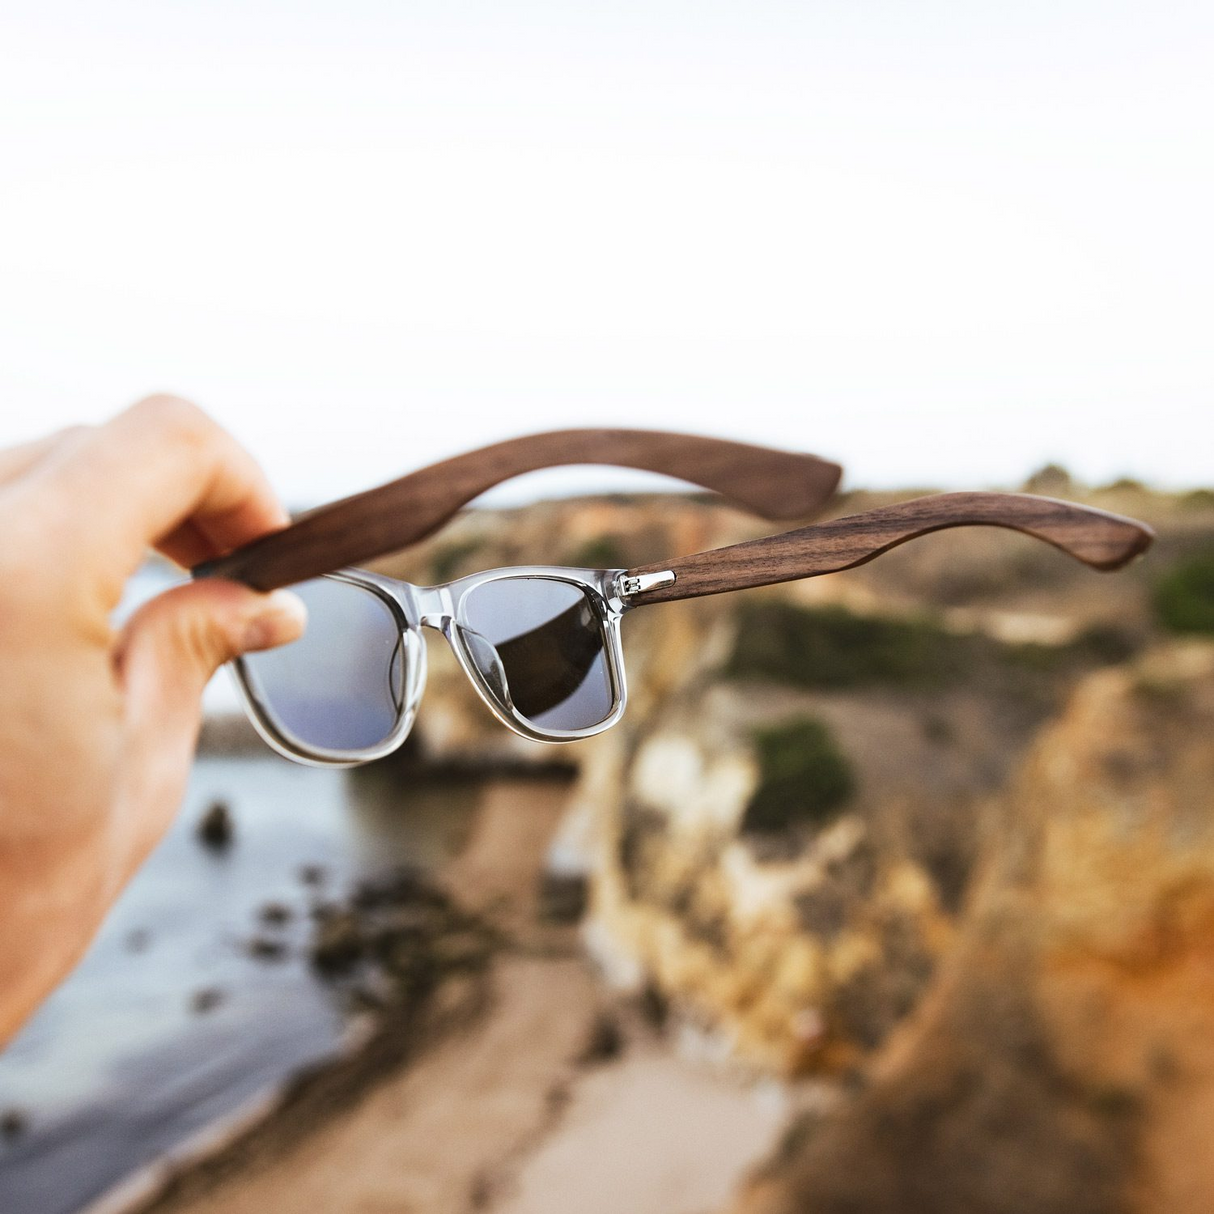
781, 836
1063, 1060
784, 834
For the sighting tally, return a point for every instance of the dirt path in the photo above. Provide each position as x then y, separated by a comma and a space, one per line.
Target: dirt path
499, 1115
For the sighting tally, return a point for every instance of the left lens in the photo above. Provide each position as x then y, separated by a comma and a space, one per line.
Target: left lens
339, 689
542, 641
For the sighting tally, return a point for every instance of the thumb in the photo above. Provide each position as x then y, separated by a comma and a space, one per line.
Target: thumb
174, 644
167, 653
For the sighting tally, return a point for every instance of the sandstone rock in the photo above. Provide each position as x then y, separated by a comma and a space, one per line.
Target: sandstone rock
1062, 1061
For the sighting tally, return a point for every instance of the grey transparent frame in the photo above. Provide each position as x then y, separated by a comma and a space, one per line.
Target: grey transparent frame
441, 608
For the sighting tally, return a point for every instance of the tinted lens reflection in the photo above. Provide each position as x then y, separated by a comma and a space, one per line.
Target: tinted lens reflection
340, 687
550, 648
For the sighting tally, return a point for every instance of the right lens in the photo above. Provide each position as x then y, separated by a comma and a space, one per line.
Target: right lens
540, 645
341, 687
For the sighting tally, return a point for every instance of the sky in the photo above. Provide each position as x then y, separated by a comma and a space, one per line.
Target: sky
942, 242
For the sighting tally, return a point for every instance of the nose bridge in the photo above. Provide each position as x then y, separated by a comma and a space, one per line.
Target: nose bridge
434, 605
429, 606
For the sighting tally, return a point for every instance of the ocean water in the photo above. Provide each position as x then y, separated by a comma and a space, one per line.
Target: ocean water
121, 1064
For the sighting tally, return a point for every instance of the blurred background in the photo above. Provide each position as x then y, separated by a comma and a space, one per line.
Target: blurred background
895, 890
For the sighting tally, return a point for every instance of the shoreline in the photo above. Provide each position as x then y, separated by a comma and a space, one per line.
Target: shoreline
378, 1044
503, 1089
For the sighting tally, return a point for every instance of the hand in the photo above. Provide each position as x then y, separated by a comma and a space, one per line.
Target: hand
98, 727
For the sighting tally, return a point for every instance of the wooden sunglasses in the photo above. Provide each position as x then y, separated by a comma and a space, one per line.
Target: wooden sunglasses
541, 644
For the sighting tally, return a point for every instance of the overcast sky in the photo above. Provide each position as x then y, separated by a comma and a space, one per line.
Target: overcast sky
942, 242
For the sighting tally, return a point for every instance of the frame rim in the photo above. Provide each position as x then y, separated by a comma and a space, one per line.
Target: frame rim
290, 747
598, 586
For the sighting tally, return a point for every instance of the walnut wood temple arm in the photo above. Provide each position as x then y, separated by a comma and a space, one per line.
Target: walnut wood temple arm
774, 484
1095, 537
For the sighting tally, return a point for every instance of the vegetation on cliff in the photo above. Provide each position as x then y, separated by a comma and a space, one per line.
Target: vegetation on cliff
803, 777
1184, 596
833, 647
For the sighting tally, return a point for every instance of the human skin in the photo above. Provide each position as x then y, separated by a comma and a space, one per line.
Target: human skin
98, 725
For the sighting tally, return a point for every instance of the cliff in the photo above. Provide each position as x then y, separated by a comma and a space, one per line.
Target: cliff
936, 831
1061, 1060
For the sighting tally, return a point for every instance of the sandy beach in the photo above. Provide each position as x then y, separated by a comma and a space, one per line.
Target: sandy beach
512, 1104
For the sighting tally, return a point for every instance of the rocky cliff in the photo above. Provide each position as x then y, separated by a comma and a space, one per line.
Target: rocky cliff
1062, 1058
939, 828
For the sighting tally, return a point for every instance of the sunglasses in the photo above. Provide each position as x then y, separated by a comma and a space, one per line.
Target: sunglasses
541, 645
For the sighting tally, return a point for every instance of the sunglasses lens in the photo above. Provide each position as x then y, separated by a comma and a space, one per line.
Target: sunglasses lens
341, 687
542, 643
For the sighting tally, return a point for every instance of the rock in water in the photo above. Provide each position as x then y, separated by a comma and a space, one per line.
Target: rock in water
206, 1000
138, 940
312, 875
264, 948
275, 914
216, 829
13, 1123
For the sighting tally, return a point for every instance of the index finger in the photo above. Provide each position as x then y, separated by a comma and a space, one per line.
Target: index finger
159, 467
16, 461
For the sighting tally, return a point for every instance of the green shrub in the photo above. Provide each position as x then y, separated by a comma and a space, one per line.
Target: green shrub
447, 561
1198, 499
831, 647
1184, 596
603, 552
1105, 644
1099, 644
1124, 484
804, 777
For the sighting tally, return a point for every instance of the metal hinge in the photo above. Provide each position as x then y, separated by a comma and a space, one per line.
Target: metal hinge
642, 582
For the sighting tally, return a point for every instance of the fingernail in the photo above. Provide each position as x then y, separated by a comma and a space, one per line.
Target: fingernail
281, 617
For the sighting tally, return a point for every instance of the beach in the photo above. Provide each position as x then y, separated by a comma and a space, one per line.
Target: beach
516, 1097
